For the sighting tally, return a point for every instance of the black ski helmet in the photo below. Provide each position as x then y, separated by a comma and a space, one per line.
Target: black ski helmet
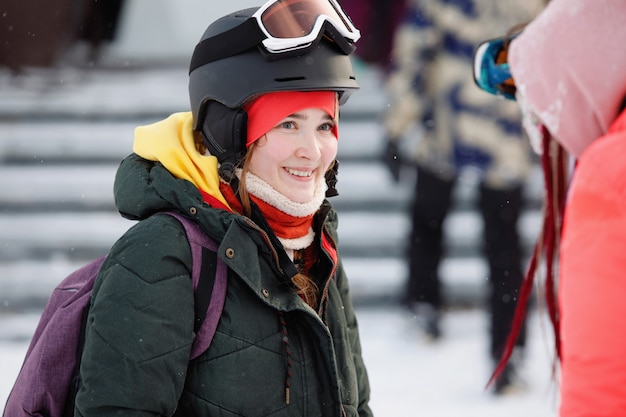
234, 79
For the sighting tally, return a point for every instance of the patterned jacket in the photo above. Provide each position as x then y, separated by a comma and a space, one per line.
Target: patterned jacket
431, 87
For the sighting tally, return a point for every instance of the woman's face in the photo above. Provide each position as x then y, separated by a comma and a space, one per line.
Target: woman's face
294, 155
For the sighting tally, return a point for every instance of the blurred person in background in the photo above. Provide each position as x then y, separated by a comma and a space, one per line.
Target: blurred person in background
54, 33
378, 20
430, 87
569, 80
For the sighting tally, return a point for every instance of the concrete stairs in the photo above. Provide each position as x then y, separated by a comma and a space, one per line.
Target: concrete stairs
63, 132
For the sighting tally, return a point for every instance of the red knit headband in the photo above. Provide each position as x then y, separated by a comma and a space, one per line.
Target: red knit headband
269, 109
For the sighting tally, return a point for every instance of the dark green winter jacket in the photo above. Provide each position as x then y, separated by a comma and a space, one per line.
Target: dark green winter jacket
140, 325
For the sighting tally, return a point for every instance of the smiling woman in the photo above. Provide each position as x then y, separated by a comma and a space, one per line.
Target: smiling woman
251, 163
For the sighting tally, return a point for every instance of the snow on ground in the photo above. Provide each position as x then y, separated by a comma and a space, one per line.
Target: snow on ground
414, 377
409, 376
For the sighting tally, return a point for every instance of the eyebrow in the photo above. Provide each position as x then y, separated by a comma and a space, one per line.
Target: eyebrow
301, 116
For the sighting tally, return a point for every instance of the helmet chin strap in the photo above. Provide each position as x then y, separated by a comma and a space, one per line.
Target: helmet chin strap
331, 180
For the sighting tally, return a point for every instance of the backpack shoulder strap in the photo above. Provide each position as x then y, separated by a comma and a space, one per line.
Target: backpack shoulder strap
209, 277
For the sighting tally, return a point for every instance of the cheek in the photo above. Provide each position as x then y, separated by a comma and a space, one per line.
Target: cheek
329, 151
260, 161
266, 154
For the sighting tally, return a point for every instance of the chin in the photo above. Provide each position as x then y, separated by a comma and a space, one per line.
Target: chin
300, 197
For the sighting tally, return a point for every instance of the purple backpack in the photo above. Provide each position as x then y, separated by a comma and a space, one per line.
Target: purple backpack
48, 381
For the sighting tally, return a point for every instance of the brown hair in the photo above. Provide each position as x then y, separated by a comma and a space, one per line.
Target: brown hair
305, 285
198, 141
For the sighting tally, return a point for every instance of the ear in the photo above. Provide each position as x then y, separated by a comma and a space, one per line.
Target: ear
224, 132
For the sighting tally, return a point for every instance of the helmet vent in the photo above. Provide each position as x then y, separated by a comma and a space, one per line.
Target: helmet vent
288, 79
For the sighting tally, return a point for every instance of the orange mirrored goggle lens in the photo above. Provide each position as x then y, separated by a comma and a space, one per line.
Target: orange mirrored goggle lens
297, 18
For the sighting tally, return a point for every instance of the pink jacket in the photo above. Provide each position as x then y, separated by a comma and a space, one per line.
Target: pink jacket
570, 64
592, 284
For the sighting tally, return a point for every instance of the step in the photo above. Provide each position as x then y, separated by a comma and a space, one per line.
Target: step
122, 94
28, 284
367, 234
70, 141
61, 139
45, 235
464, 281
84, 187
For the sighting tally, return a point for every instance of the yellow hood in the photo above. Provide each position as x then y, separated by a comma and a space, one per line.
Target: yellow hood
171, 142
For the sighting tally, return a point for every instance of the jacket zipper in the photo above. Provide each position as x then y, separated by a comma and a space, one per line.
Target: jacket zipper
332, 272
266, 238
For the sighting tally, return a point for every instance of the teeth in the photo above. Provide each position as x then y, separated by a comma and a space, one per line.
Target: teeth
299, 173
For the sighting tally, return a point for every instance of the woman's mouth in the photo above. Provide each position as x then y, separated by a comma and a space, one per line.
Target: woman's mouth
299, 173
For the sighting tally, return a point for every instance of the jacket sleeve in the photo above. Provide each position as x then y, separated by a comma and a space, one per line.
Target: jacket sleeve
353, 337
140, 325
355, 343
592, 285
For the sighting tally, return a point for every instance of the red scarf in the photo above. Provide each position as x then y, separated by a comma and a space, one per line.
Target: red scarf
284, 225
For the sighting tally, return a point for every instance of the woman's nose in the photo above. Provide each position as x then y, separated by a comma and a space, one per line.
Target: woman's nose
309, 147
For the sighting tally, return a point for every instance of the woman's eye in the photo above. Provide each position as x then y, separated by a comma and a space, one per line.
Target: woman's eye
287, 125
327, 126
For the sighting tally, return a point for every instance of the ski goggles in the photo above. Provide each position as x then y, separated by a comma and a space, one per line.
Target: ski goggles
295, 24
491, 67
281, 26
